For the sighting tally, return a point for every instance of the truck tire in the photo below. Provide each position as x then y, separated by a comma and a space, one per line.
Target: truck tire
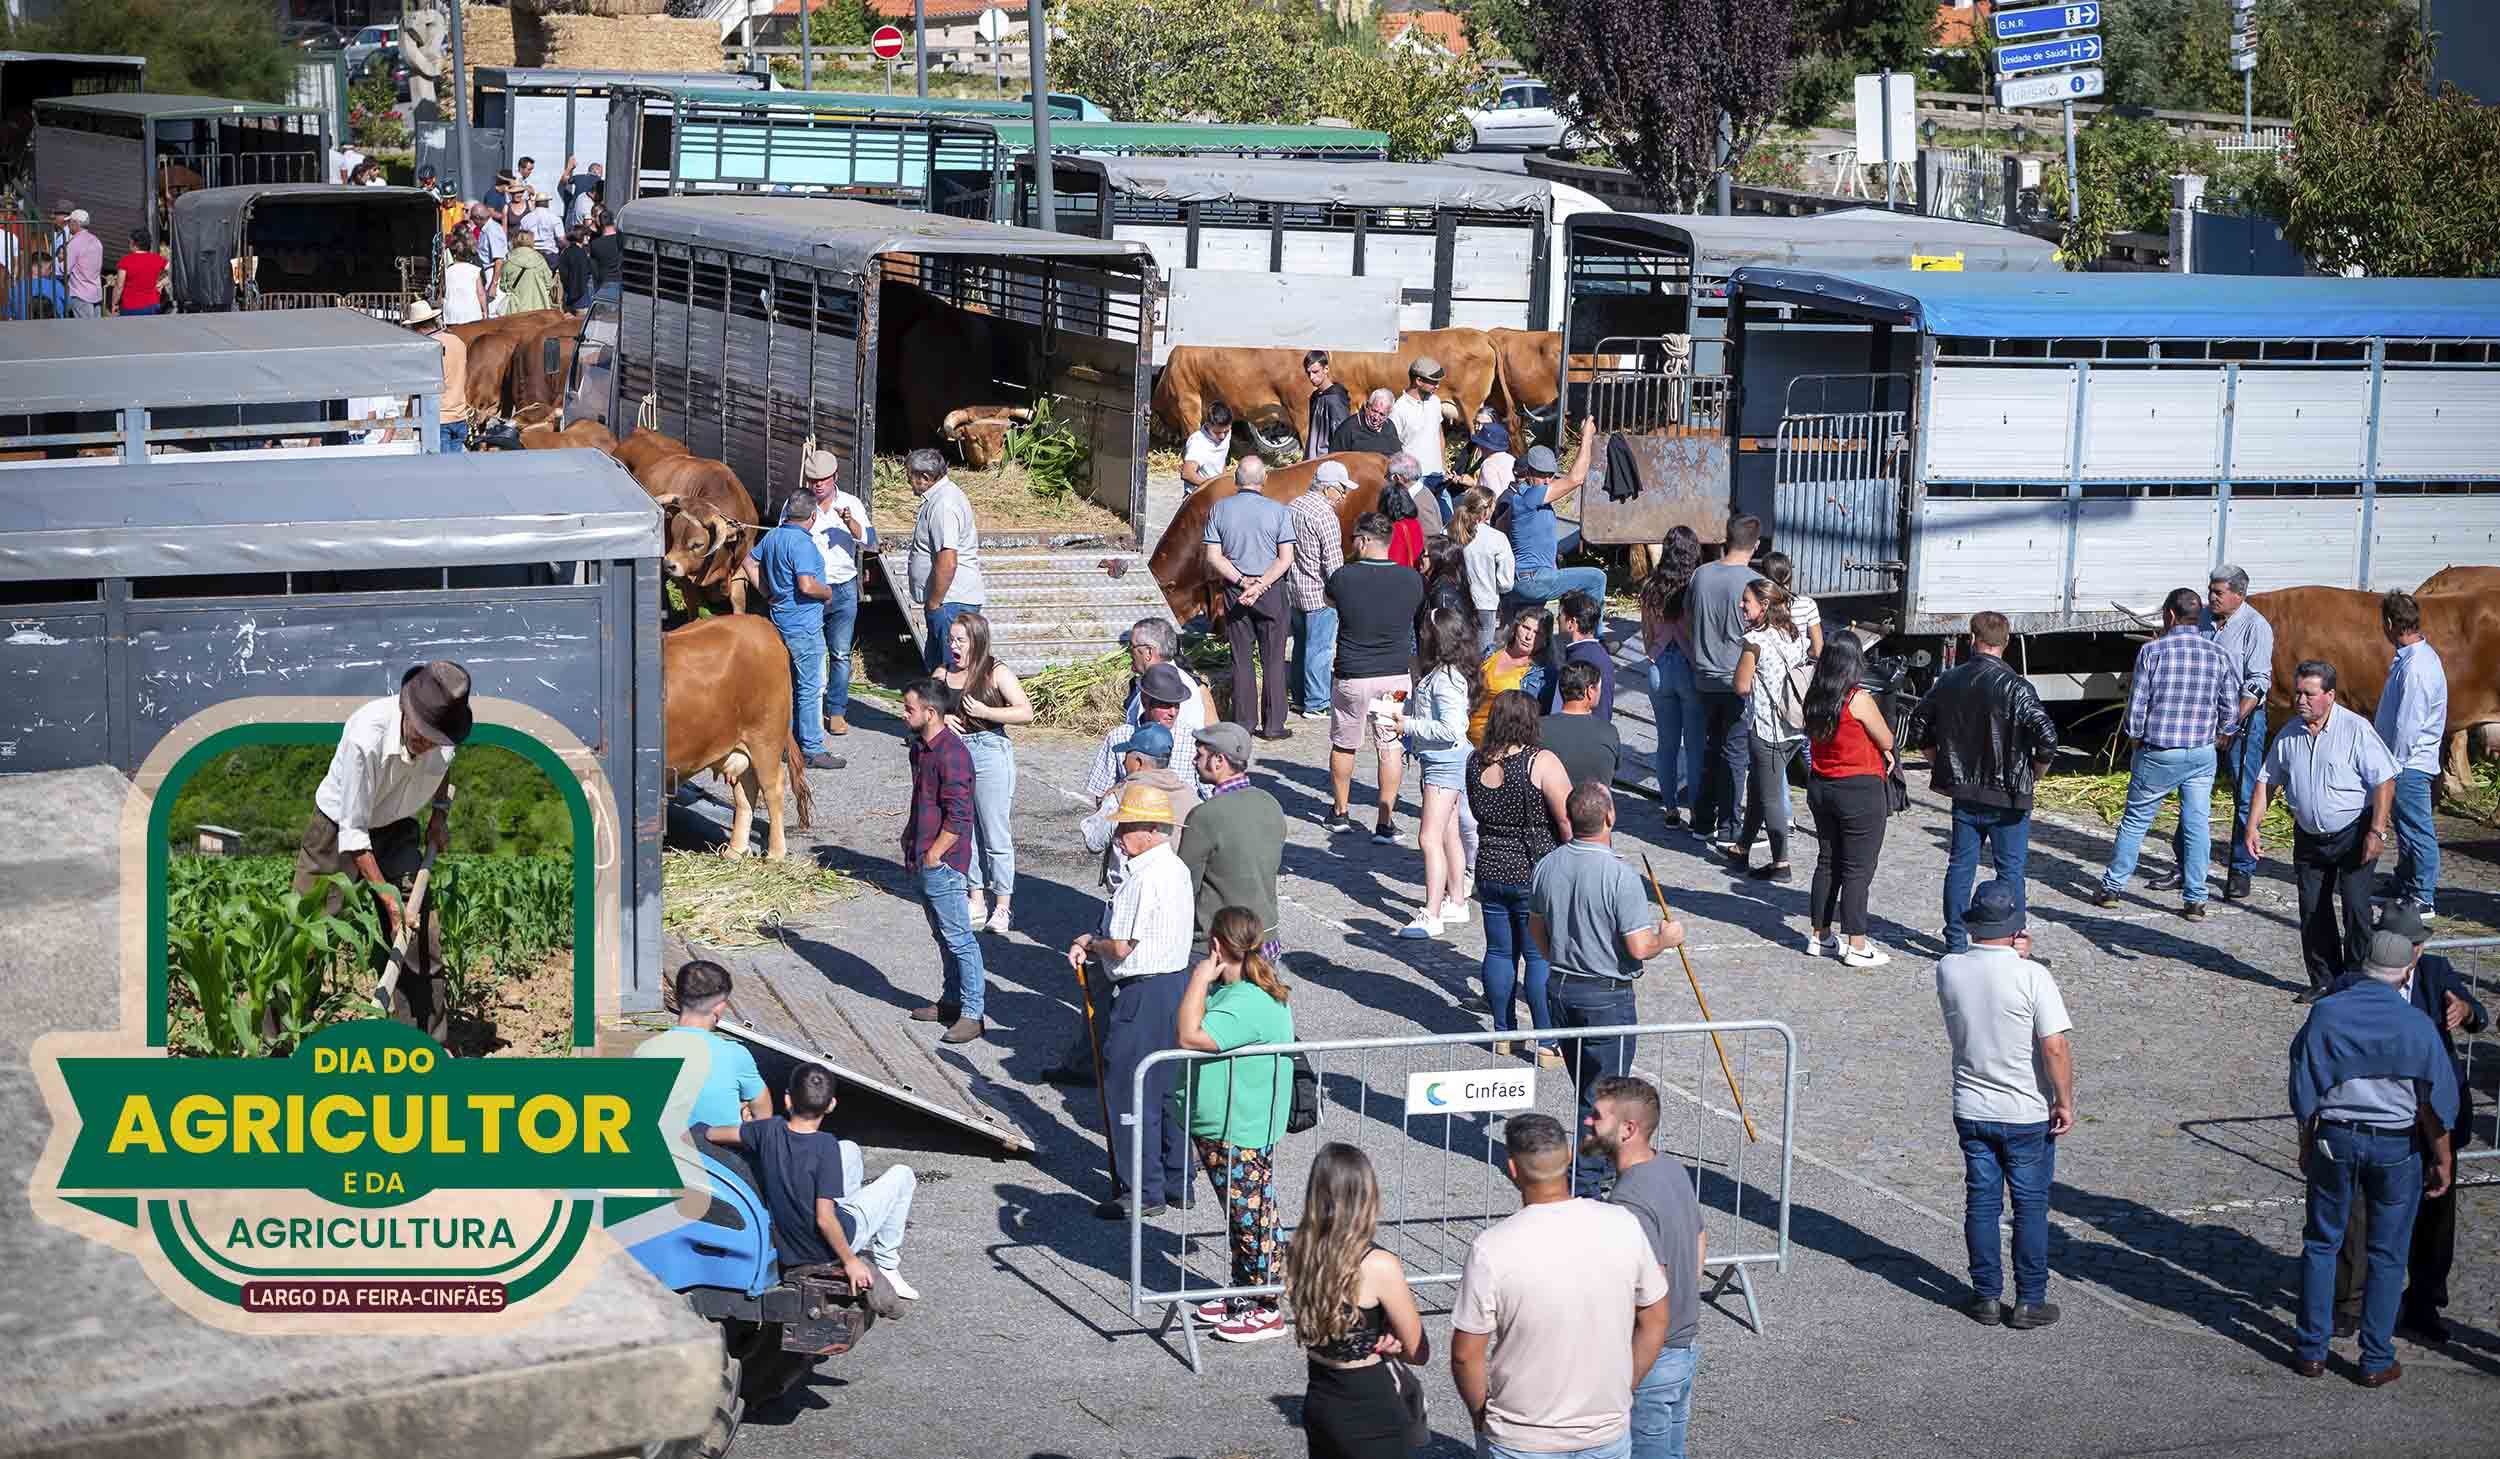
729, 1409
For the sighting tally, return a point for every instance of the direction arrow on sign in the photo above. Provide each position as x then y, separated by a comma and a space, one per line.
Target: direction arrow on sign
2046, 20
2050, 90
2070, 50
887, 43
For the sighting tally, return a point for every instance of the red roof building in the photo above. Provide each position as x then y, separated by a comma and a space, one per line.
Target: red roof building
1442, 28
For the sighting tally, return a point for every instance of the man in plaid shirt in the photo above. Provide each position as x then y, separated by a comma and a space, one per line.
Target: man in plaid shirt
1318, 551
2185, 701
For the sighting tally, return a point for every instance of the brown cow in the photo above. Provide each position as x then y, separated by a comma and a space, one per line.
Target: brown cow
725, 702
543, 435
943, 390
1179, 561
2458, 579
2341, 627
711, 518
1268, 392
496, 361
1527, 364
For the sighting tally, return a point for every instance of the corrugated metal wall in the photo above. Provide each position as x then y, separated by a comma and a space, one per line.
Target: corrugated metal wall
105, 175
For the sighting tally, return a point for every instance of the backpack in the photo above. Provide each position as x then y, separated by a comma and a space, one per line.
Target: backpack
1788, 696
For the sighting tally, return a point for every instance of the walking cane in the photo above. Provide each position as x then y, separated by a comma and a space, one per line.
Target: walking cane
1656, 891
1102, 1093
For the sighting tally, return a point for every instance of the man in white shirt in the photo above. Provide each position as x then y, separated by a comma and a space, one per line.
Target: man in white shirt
2413, 720
2013, 1095
843, 533
393, 761
1144, 951
1561, 1308
545, 229
1418, 418
944, 568
1208, 450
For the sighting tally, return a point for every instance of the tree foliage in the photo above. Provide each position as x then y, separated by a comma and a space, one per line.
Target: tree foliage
2126, 164
1833, 41
2176, 54
2398, 180
838, 23
1504, 27
201, 47
1653, 78
1149, 61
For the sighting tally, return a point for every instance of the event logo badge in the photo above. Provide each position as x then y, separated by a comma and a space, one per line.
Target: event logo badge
281, 1154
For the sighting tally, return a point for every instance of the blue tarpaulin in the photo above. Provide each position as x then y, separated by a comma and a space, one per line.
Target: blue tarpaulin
2141, 306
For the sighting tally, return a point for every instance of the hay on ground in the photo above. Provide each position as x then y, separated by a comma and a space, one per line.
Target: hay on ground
725, 901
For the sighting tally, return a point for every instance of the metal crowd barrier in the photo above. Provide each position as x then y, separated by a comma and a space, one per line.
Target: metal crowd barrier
1441, 1178
2478, 958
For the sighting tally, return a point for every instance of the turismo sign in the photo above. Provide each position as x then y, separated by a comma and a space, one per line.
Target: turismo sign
1469, 1091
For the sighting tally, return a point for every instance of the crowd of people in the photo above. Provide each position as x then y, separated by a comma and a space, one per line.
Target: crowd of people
76, 275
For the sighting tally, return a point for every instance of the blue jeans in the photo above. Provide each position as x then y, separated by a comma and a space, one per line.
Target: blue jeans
1314, 656
1675, 703
2007, 835
1662, 1404
841, 622
1506, 945
2417, 838
942, 892
1591, 1003
2383, 1168
1997, 1156
1546, 584
455, 437
2236, 765
993, 800
2157, 773
933, 657
1618, 1447
807, 666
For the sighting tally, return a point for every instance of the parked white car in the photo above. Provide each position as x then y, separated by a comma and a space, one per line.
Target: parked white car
371, 39
1522, 116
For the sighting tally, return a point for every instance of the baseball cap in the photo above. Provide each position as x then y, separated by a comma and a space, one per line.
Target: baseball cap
2390, 952
1228, 740
1331, 473
1152, 741
1541, 461
1492, 436
1165, 684
78, 216
2406, 922
1994, 912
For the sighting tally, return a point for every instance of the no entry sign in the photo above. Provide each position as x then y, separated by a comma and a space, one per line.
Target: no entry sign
887, 42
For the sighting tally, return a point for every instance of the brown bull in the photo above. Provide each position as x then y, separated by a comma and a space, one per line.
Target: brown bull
2341, 627
1527, 364
502, 353
2461, 580
711, 518
1268, 392
542, 434
944, 389
979, 432
1179, 561
725, 701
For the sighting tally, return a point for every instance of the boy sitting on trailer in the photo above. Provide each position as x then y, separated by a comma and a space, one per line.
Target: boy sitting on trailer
812, 1192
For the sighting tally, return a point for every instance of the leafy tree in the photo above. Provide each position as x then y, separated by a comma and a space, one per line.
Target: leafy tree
1416, 95
1836, 40
838, 23
203, 47
1507, 27
2126, 164
2398, 180
1653, 77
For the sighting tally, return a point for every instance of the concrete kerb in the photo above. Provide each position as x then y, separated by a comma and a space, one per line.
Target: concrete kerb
2479, 959
1748, 1225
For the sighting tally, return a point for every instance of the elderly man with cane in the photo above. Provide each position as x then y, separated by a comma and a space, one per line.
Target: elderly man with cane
393, 761
1144, 950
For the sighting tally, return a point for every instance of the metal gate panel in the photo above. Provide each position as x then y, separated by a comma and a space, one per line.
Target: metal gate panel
1995, 423
1407, 258
1308, 251
2294, 424
1244, 250
2005, 553
2163, 423
2134, 550
1169, 243
2290, 541
108, 176
1836, 499
1492, 272
2412, 537
55, 671
2439, 423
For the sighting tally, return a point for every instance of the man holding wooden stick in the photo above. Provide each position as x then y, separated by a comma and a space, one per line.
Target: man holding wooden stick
1590, 914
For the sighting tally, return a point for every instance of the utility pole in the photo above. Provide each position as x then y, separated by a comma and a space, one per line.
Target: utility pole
1883, 91
1727, 166
807, 52
2074, 179
920, 46
459, 99
1036, 43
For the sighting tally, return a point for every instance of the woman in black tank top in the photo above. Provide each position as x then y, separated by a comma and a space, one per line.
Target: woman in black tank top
1353, 1314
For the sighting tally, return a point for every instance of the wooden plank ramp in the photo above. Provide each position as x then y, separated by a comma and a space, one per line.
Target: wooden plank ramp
782, 1004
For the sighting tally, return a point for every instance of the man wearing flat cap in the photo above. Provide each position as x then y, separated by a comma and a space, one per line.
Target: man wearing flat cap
843, 534
1419, 417
393, 763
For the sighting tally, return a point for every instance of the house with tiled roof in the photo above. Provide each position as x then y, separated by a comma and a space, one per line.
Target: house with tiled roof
1439, 28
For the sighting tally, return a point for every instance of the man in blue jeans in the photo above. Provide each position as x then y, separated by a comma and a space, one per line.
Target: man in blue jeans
2184, 701
843, 533
2376, 1096
1592, 917
2247, 640
937, 850
1318, 551
1988, 740
786, 567
2413, 720
1659, 1193
2013, 1095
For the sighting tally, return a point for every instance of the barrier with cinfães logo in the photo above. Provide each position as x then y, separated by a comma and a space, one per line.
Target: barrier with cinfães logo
1456, 1091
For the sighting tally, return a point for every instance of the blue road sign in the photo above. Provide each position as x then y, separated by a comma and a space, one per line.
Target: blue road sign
2067, 50
2012, 25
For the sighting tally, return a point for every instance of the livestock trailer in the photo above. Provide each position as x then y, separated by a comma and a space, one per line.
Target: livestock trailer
750, 324
306, 246
27, 77
539, 570
125, 157
2067, 449
1313, 254
273, 384
1645, 322
549, 114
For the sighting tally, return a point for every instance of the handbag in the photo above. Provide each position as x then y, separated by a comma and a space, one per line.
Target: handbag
1896, 790
1411, 1398
1304, 1113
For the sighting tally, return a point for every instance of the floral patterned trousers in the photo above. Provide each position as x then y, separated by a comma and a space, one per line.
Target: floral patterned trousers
1246, 1178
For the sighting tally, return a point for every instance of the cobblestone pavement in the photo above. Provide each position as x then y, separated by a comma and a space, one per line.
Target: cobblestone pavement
2177, 1207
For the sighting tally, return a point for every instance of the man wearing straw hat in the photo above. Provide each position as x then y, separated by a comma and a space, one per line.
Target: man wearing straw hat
453, 407
393, 761
1144, 952
842, 532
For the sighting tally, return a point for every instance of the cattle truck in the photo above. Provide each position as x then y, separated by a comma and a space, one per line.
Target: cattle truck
1645, 326
306, 246
27, 77
746, 325
2067, 449
548, 113
125, 157
1264, 252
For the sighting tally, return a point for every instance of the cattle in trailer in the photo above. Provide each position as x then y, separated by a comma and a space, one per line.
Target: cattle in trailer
725, 698
1179, 561
2341, 626
538, 431
937, 378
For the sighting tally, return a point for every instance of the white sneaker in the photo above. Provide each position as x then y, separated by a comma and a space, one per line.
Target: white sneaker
998, 915
1453, 911
977, 910
894, 1279
1424, 925
1814, 944
1873, 957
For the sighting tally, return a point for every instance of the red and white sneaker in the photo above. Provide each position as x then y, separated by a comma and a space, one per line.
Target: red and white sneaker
1215, 1313
1256, 1325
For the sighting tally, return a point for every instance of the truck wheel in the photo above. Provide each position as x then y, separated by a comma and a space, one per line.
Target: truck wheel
729, 1408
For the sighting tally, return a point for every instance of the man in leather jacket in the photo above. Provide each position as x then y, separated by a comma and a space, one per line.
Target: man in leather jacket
1988, 739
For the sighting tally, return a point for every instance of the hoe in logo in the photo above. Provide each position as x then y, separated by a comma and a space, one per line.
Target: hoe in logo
1469, 1091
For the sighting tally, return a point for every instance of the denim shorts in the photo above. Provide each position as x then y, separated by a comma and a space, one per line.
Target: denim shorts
1444, 769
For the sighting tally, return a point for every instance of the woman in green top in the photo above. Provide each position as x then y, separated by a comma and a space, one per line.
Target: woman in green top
1238, 1108
526, 280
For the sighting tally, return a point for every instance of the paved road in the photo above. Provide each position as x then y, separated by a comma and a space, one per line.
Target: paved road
2177, 1209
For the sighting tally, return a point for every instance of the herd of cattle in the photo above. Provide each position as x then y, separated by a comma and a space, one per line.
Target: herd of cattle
1515, 371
